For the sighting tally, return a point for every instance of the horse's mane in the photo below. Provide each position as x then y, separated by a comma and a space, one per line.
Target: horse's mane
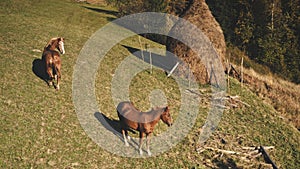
129, 111
50, 41
157, 111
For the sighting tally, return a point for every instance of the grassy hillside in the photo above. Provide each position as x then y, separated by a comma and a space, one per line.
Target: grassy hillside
281, 94
39, 126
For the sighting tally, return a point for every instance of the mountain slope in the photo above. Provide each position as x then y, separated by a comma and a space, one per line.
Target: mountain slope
39, 126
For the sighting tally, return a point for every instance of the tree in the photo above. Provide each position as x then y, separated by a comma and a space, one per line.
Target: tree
244, 25
226, 13
267, 30
291, 12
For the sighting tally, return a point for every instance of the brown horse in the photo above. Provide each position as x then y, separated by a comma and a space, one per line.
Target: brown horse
51, 57
144, 122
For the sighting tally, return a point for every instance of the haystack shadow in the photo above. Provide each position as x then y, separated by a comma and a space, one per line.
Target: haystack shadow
109, 12
164, 62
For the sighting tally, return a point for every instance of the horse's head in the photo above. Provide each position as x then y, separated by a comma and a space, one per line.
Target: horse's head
60, 47
56, 43
166, 116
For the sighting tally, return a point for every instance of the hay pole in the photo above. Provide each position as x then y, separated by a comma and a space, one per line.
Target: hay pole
236, 98
189, 70
142, 49
257, 148
251, 152
212, 74
267, 157
147, 46
228, 72
151, 66
223, 151
235, 71
173, 69
242, 78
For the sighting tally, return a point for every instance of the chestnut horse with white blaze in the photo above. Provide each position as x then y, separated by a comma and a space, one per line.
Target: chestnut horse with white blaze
144, 122
52, 59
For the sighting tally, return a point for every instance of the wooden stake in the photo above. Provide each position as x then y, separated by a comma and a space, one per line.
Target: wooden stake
213, 74
173, 69
242, 78
142, 49
267, 157
189, 76
150, 61
228, 80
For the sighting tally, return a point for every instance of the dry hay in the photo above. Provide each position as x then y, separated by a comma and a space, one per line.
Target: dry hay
199, 14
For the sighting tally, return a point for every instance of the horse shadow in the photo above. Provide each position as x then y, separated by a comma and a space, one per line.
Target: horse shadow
113, 126
39, 69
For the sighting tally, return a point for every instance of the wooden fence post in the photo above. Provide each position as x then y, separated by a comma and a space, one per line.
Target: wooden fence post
228, 79
150, 55
242, 73
173, 69
142, 49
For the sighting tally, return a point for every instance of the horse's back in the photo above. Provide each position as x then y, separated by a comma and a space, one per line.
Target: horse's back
126, 107
126, 110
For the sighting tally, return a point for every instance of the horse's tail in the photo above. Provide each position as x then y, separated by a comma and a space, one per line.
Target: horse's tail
51, 64
55, 69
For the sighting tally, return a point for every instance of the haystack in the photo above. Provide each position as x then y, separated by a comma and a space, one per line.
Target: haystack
197, 12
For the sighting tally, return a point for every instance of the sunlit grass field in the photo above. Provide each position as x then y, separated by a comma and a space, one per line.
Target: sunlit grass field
39, 126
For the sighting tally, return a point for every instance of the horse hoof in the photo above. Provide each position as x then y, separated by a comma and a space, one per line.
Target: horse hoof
149, 153
141, 152
126, 144
128, 138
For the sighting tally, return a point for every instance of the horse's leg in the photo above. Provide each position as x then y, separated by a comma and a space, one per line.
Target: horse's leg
58, 76
148, 144
50, 74
141, 142
124, 137
128, 137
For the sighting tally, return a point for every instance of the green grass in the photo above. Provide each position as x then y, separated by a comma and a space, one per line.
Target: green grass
39, 126
260, 124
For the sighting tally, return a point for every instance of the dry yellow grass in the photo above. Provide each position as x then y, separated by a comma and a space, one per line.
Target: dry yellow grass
281, 94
